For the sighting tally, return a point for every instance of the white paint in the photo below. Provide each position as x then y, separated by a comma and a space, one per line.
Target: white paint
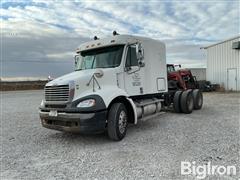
134, 81
117, 81
220, 58
161, 84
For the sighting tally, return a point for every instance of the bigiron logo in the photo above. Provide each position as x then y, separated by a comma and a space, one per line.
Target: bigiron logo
202, 171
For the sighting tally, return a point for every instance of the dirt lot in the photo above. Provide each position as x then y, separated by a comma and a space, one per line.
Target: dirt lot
152, 149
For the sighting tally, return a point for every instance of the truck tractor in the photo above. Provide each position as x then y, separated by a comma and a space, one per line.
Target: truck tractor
117, 80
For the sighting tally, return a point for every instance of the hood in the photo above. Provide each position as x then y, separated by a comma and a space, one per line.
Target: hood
65, 79
82, 82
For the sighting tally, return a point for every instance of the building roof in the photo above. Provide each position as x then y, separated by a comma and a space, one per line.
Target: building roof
229, 39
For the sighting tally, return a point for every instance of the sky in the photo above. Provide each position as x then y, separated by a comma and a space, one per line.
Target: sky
39, 38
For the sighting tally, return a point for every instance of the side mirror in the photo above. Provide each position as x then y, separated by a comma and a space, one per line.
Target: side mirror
140, 54
139, 51
76, 59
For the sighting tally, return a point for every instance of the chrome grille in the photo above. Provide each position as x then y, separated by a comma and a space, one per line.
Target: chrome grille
57, 93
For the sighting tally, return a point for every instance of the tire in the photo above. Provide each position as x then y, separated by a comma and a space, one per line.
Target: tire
197, 99
187, 101
117, 122
176, 102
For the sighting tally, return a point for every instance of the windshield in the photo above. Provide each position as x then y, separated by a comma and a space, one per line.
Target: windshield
99, 58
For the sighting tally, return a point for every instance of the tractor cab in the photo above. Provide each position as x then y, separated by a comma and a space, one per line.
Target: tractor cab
181, 79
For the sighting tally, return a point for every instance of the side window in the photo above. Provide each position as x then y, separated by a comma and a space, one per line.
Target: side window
131, 57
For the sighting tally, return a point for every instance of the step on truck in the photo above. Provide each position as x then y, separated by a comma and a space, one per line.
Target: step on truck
117, 80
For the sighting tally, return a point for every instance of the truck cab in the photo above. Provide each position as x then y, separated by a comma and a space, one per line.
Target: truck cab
117, 80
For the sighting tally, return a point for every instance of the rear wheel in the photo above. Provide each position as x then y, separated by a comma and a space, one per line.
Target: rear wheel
117, 122
187, 101
197, 99
176, 102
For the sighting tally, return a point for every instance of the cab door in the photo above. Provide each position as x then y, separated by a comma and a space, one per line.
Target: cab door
133, 74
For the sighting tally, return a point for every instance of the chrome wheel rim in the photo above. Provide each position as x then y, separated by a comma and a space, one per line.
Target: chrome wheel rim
122, 122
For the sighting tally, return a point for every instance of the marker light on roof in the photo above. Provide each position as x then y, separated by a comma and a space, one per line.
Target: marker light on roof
115, 33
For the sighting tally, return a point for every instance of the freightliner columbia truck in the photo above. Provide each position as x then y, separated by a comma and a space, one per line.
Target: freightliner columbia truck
117, 80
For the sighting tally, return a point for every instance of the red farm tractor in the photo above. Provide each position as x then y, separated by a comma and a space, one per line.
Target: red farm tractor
184, 87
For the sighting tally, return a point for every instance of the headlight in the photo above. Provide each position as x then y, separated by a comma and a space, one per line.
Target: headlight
87, 103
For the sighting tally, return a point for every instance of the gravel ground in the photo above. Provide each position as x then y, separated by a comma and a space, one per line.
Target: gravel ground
152, 149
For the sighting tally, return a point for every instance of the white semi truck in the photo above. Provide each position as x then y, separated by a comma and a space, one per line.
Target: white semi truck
117, 80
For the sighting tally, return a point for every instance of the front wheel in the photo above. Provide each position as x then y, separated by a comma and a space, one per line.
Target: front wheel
117, 122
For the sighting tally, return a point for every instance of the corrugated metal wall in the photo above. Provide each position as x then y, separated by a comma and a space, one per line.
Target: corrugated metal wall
220, 58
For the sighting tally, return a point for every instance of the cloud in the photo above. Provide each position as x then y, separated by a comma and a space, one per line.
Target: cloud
40, 56
43, 34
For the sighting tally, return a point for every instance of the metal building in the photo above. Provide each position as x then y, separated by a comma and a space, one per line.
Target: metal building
223, 63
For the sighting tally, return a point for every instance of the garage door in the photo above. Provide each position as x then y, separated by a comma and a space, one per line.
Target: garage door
232, 79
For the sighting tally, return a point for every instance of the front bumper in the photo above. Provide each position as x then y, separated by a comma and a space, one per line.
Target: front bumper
90, 122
